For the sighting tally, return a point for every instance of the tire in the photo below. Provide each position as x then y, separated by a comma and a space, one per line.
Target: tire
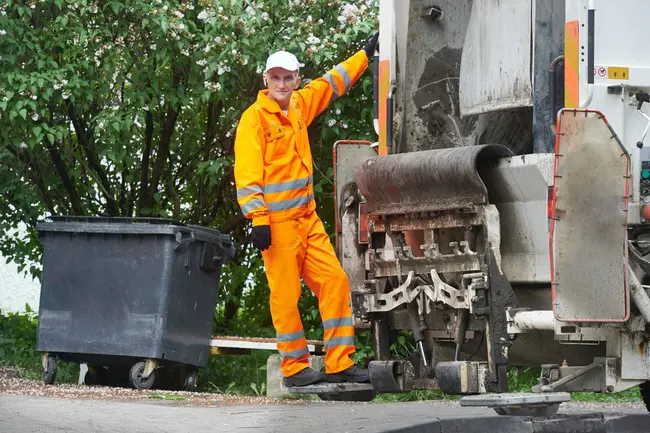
49, 373
136, 379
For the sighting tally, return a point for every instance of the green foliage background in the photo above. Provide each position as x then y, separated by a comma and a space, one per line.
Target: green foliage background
129, 109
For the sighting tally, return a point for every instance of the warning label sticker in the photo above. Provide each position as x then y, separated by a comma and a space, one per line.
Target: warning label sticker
618, 73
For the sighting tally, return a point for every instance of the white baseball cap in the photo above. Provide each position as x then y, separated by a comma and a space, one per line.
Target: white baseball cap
284, 60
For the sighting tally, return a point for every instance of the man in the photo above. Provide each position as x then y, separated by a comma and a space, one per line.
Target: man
274, 178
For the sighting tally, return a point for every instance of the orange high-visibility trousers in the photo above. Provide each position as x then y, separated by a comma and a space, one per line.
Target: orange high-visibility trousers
301, 248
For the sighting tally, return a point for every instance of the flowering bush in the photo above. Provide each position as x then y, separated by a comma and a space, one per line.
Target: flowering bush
129, 108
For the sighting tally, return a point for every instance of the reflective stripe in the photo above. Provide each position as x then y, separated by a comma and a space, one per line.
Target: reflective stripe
344, 73
248, 190
287, 186
294, 353
335, 323
252, 205
339, 341
292, 336
290, 204
329, 77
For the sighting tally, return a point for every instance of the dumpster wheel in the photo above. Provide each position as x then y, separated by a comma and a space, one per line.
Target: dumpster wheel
137, 379
190, 381
49, 369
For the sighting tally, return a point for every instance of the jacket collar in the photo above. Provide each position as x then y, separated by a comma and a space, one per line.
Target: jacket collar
268, 104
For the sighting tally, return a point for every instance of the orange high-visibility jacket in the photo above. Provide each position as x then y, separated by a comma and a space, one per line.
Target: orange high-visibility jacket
273, 165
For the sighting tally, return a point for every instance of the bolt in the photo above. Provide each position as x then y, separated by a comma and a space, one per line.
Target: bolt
609, 388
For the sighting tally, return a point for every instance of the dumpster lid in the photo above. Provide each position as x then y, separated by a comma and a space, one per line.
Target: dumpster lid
136, 226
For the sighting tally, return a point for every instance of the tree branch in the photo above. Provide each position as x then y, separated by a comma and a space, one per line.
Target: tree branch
84, 139
144, 165
233, 223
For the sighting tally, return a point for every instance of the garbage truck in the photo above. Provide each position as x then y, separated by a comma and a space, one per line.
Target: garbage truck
503, 214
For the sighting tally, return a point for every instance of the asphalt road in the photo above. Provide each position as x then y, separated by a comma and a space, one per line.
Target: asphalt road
19, 413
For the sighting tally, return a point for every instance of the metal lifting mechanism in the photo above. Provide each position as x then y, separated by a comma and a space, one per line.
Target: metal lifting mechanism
502, 216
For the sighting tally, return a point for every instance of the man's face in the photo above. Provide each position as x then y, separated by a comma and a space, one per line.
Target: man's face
281, 84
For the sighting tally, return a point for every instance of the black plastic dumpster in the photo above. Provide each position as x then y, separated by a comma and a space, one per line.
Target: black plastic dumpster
129, 296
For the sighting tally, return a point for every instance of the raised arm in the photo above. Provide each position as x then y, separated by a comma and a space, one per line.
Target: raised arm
316, 96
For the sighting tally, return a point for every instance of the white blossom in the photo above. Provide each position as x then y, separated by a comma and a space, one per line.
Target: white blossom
34, 117
23, 145
218, 39
213, 87
338, 111
178, 14
265, 16
202, 62
3, 32
65, 95
331, 122
203, 15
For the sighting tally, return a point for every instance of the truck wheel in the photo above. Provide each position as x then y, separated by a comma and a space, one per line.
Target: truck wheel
136, 379
49, 372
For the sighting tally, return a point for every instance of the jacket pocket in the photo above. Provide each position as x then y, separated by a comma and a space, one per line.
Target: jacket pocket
276, 142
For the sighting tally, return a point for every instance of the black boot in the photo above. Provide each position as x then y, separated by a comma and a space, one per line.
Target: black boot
352, 374
305, 377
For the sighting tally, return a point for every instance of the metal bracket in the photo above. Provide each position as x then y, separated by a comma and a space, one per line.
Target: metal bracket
149, 366
432, 12
438, 292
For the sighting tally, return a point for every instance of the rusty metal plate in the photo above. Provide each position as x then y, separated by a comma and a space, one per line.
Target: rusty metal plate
589, 221
429, 180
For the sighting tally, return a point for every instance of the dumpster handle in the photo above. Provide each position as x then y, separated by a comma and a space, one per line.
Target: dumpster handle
183, 240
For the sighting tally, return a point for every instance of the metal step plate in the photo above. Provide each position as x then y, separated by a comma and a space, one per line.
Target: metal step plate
514, 399
326, 388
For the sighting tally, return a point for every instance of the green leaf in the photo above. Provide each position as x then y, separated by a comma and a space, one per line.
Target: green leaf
50, 138
9, 94
23, 114
166, 396
37, 130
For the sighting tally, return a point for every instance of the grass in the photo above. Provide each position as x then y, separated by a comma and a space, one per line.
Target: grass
241, 374
18, 349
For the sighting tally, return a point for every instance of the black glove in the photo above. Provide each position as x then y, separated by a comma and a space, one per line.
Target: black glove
371, 45
261, 237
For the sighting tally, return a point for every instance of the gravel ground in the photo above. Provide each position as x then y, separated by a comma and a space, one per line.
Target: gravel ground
12, 384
